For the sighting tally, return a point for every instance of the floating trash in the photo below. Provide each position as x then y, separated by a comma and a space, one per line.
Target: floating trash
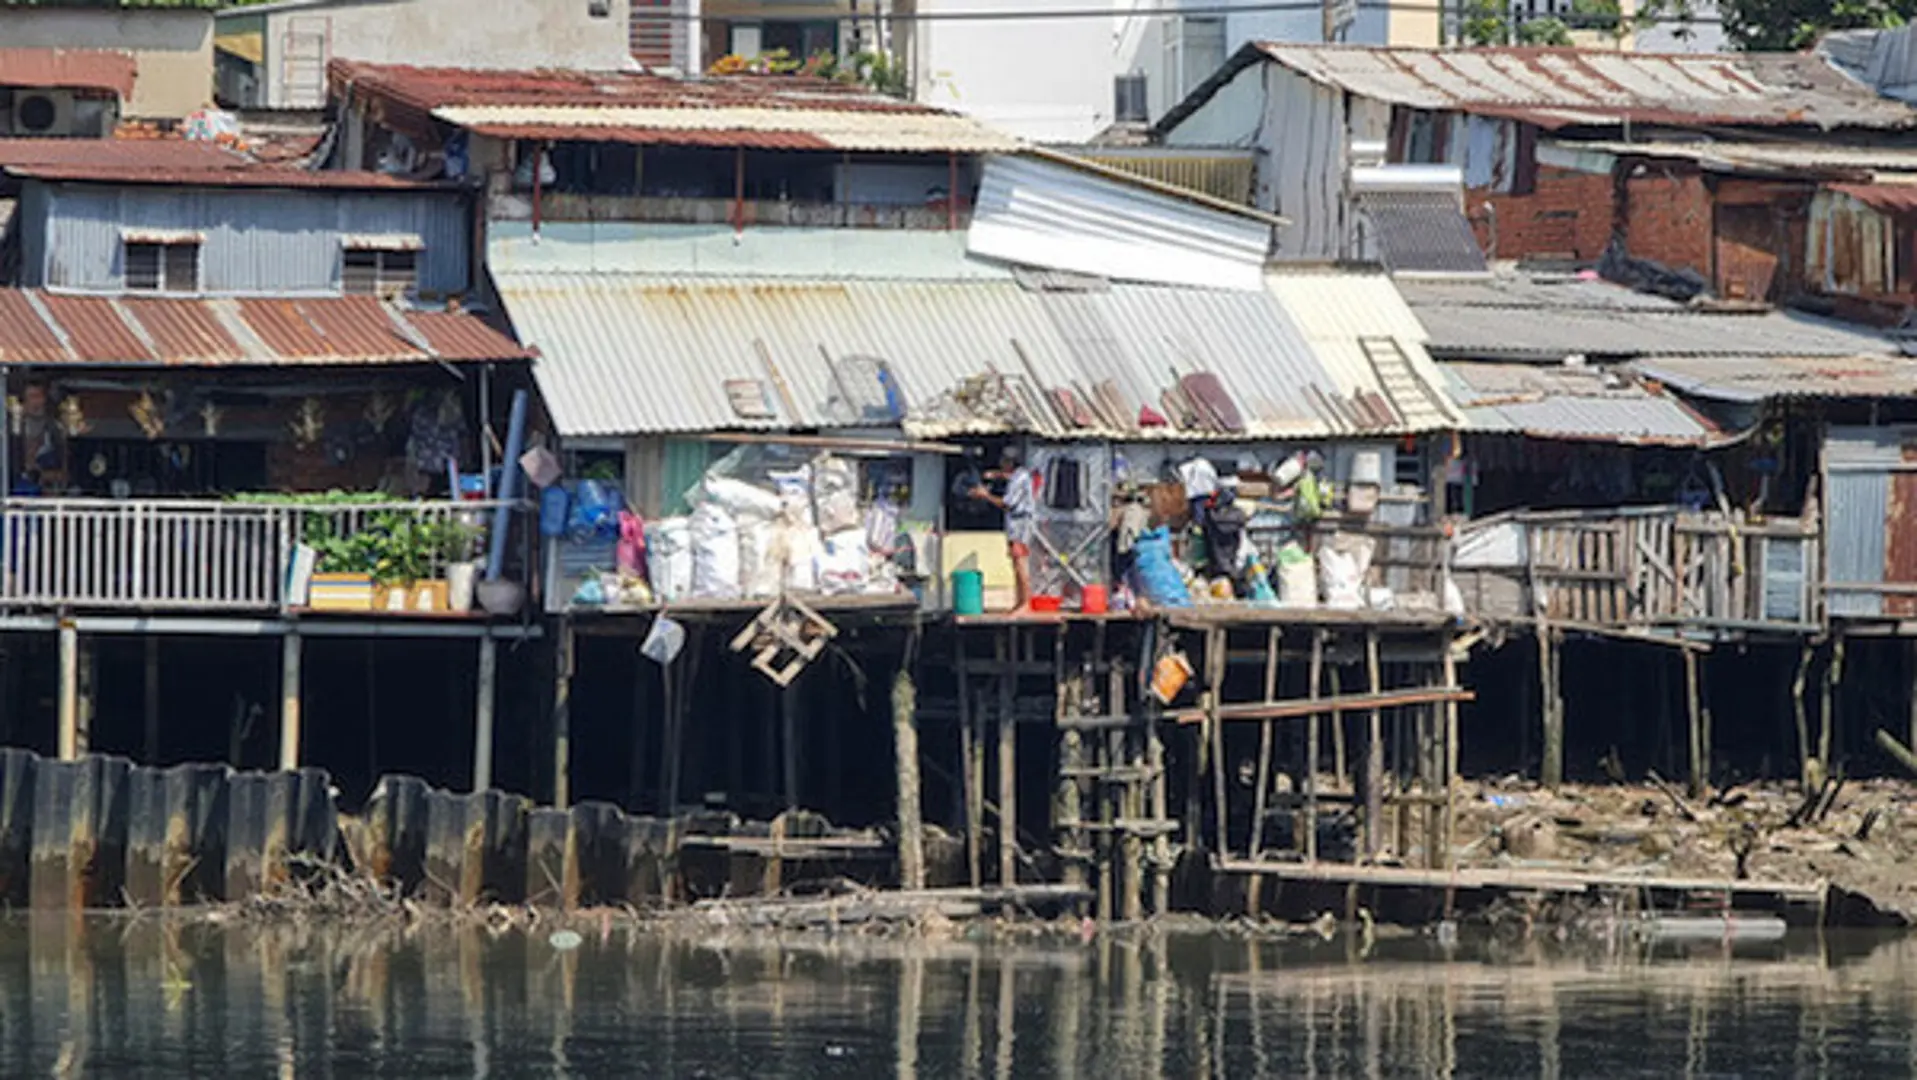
565, 940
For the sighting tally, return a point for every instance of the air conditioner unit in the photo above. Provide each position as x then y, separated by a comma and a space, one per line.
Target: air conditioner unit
42, 112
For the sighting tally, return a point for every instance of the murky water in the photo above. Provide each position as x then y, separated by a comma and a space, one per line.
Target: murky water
152, 1000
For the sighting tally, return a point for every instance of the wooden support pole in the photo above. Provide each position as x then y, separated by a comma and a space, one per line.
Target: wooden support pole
1374, 753
905, 744
1067, 803
1828, 733
150, 702
564, 664
69, 709
483, 714
1312, 748
1693, 711
290, 657
1132, 845
1808, 773
1910, 685
1007, 764
1340, 763
973, 780
1161, 811
1448, 843
1263, 781
789, 741
1550, 710
1217, 647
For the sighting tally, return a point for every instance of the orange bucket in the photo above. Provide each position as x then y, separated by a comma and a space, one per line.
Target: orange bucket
1093, 600
1170, 675
1047, 603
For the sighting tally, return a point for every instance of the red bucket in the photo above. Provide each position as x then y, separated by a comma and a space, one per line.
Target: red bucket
1093, 600
1047, 603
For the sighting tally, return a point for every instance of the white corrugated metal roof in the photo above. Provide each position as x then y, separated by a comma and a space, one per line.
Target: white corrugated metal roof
829, 129
1339, 311
1765, 157
1050, 214
1752, 379
625, 353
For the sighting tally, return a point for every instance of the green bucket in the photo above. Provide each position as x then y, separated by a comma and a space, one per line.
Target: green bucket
968, 592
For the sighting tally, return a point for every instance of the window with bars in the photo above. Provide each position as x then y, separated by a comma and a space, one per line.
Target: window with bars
169, 266
380, 272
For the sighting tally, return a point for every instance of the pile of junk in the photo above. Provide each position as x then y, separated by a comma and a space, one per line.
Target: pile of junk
1278, 534
764, 520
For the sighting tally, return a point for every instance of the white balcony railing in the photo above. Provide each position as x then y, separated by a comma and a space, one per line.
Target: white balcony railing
175, 554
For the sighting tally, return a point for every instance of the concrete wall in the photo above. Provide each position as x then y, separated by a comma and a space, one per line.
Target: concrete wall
448, 33
1048, 80
173, 47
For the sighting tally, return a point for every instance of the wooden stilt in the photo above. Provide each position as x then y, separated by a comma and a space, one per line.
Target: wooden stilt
789, 741
1216, 647
1550, 710
1700, 766
1133, 844
150, 701
1449, 841
1161, 810
1340, 763
1829, 733
290, 701
1007, 760
372, 709
564, 663
905, 743
1067, 803
483, 714
1312, 748
1910, 685
973, 764
69, 709
1374, 753
1263, 780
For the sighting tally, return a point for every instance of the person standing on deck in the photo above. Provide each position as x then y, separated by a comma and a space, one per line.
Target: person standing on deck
1020, 504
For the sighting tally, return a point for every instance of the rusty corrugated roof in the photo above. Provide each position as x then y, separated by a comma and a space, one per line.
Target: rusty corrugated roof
1889, 198
103, 70
38, 327
772, 112
1566, 87
170, 161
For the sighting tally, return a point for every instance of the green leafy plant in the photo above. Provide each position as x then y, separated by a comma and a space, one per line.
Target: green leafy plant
393, 546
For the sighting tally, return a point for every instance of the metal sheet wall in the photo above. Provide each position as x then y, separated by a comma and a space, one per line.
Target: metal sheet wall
255, 242
1860, 462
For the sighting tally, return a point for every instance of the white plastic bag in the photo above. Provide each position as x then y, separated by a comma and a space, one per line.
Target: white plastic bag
715, 553
741, 499
761, 568
1339, 578
801, 547
663, 641
835, 494
669, 557
843, 564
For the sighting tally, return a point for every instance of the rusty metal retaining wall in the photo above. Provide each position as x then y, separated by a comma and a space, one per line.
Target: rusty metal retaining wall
103, 832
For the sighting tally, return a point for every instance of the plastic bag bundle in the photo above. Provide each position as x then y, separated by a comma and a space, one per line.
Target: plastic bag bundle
715, 553
669, 557
1159, 579
761, 566
1339, 577
1297, 581
835, 494
594, 514
843, 564
741, 499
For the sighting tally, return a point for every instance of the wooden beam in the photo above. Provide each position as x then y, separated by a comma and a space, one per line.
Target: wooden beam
905, 742
483, 714
290, 702
69, 708
1343, 703
1374, 752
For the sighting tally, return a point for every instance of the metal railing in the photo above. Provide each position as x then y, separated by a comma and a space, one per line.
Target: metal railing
180, 554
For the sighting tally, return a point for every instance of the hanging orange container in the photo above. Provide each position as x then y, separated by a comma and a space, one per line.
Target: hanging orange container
1169, 676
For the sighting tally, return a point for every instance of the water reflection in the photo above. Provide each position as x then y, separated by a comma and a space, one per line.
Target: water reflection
159, 999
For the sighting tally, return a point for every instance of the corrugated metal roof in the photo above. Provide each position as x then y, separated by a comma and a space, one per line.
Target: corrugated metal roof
1339, 311
785, 127
103, 70
1559, 87
428, 89
1752, 379
1524, 317
1782, 157
635, 353
50, 328
1890, 198
173, 162
1570, 403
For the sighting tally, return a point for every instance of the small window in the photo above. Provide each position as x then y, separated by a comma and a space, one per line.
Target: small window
1128, 100
162, 266
378, 272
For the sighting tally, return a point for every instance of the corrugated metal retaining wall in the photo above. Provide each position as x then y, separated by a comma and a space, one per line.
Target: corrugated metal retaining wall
103, 832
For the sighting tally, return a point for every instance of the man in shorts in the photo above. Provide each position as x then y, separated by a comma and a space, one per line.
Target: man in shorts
1020, 504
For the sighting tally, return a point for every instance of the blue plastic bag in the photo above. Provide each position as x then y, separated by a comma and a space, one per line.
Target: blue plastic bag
595, 511
1158, 578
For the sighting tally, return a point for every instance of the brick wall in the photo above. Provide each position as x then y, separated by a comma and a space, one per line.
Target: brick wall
1668, 219
1567, 216
290, 467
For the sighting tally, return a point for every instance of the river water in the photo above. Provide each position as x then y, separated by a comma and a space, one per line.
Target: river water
152, 999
